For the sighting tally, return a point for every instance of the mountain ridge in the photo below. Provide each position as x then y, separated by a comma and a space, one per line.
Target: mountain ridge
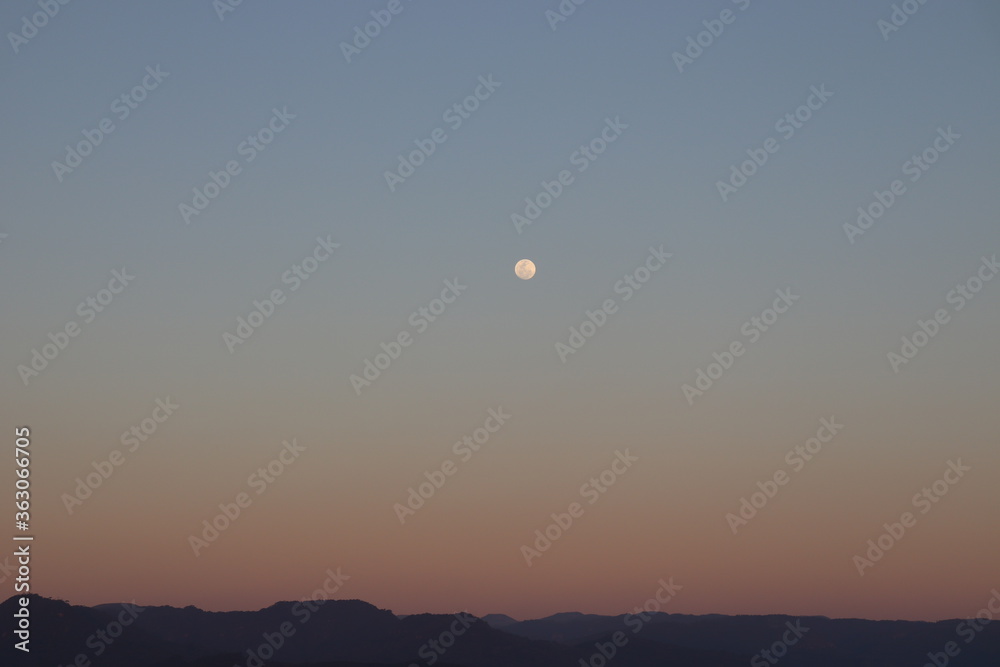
337, 633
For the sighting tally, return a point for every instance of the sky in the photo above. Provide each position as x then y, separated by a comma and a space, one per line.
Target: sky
688, 176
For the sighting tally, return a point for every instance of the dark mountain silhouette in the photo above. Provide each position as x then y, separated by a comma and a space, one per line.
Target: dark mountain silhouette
828, 642
499, 621
335, 632
60, 631
353, 633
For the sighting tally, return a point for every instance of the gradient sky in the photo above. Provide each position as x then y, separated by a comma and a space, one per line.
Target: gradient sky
495, 346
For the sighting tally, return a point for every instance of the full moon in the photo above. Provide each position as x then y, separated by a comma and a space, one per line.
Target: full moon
524, 269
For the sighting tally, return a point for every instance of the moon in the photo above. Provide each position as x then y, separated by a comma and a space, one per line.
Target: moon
524, 269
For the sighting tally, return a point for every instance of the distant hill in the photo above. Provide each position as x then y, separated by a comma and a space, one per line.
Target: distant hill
828, 642
499, 621
353, 633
